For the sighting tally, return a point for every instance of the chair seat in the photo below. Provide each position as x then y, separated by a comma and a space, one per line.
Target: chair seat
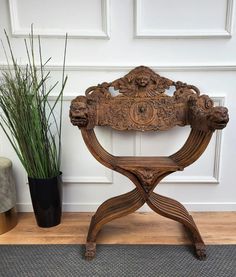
154, 163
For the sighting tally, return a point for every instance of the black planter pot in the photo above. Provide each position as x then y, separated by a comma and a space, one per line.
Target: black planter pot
46, 196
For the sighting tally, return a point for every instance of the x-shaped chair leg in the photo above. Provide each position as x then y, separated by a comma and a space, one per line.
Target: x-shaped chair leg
111, 209
145, 174
128, 203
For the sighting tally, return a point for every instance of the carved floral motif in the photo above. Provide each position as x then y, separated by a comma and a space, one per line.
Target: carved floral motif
142, 112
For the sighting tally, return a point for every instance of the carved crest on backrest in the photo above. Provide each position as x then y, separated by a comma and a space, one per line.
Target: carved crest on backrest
142, 82
140, 103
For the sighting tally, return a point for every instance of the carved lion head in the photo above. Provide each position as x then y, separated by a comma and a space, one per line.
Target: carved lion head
218, 118
79, 112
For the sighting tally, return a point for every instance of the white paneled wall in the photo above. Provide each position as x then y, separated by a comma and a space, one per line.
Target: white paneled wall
188, 40
77, 15
183, 18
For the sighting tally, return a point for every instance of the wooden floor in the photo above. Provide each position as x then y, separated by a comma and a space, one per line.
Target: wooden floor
137, 228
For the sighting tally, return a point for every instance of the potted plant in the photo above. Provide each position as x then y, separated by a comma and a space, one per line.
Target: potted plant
33, 125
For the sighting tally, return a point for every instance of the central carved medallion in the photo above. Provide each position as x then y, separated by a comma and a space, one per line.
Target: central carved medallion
142, 112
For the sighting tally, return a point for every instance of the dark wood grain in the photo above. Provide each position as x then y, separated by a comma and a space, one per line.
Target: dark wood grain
138, 101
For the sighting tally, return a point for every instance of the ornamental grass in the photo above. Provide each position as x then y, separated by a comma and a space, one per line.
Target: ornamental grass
30, 119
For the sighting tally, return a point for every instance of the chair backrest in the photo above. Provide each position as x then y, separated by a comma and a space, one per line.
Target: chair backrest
139, 101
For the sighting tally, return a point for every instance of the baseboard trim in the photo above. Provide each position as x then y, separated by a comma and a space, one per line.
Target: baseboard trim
91, 207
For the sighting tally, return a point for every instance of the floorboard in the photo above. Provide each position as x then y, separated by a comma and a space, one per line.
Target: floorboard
137, 228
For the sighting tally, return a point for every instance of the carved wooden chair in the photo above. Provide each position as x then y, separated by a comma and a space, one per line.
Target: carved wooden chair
141, 104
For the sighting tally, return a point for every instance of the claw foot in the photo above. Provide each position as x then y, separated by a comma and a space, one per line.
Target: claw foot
90, 251
200, 251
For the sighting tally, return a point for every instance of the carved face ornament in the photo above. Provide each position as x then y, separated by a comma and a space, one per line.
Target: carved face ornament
79, 114
142, 80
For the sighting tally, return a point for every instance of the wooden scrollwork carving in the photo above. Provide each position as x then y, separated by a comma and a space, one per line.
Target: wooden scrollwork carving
140, 103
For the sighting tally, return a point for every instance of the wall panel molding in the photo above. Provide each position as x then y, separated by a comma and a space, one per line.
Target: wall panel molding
230, 17
181, 33
108, 179
104, 33
124, 67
